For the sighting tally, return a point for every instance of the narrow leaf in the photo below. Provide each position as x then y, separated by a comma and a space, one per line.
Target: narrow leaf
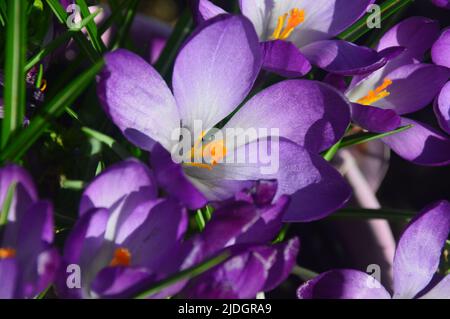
107, 140
185, 274
14, 90
388, 8
361, 138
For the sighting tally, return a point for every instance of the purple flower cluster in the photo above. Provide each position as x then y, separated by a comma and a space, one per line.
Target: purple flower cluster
133, 230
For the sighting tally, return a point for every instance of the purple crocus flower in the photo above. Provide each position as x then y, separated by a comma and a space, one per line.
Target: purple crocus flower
125, 235
441, 3
415, 264
294, 33
28, 262
213, 73
126, 238
245, 224
403, 86
440, 52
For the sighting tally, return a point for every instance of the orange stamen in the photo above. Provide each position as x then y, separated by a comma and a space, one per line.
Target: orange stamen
122, 257
43, 85
7, 253
294, 18
375, 95
212, 152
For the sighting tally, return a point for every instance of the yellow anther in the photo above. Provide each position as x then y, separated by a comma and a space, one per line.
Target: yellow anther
375, 95
294, 18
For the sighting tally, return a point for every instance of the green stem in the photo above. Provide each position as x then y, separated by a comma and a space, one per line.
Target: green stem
361, 138
200, 219
360, 28
185, 274
14, 90
7, 204
304, 273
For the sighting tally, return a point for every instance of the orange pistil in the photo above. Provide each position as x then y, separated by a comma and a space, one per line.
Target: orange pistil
294, 18
122, 257
377, 94
7, 253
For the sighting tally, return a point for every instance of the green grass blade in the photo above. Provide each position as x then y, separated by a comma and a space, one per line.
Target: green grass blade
185, 274
51, 110
126, 24
388, 8
107, 140
56, 43
7, 204
91, 28
81, 40
15, 86
356, 139
179, 34
3, 18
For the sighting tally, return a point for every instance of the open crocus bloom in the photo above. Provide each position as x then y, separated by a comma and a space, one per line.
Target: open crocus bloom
213, 74
401, 87
125, 236
415, 264
28, 262
285, 26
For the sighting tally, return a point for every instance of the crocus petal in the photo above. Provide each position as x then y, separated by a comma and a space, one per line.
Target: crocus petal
442, 108
159, 233
228, 223
337, 81
170, 176
305, 175
309, 113
25, 192
204, 10
323, 18
440, 291
416, 34
83, 248
420, 144
284, 58
342, 284
115, 183
137, 99
375, 119
215, 70
242, 276
345, 58
419, 249
440, 52
285, 260
268, 225
442, 3
9, 277
119, 282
